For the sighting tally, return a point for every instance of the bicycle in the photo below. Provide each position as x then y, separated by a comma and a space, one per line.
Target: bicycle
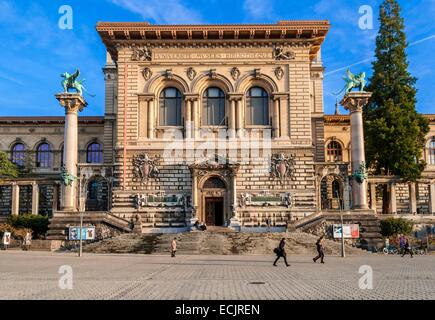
390, 249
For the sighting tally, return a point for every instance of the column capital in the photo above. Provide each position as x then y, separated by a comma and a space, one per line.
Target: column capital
189, 96
72, 102
146, 96
235, 96
355, 101
280, 96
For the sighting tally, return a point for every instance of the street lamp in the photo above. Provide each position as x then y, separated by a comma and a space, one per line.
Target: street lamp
343, 254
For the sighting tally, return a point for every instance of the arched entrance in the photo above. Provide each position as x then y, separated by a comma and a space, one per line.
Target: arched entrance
96, 195
214, 201
331, 193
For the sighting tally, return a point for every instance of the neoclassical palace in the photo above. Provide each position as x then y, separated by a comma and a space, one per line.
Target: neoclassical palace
220, 124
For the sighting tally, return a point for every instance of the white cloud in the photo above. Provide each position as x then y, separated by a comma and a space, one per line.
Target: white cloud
161, 11
259, 9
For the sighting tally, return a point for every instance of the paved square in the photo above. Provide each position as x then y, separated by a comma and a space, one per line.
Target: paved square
34, 275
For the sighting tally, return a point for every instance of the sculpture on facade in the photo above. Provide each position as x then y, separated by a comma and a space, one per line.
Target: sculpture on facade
288, 200
191, 73
282, 167
143, 54
66, 178
147, 73
235, 73
279, 73
145, 167
361, 174
280, 54
357, 81
70, 82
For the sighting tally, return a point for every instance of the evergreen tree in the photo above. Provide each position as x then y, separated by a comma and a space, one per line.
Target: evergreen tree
394, 131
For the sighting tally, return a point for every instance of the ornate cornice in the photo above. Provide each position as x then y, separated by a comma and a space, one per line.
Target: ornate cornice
314, 32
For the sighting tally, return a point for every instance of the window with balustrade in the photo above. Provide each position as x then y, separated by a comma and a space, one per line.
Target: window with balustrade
334, 152
170, 109
257, 107
213, 110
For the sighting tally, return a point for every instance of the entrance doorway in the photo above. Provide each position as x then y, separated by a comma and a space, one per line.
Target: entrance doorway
214, 211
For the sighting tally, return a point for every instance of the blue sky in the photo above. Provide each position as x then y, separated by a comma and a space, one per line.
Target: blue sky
34, 50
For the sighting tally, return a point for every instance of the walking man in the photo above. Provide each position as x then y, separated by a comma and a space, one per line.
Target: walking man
407, 248
27, 241
268, 224
280, 252
402, 244
173, 247
320, 253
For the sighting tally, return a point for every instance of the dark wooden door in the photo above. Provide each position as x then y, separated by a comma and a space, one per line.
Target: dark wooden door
214, 215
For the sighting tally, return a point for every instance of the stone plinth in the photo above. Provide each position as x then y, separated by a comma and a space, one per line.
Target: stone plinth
73, 104
354, 102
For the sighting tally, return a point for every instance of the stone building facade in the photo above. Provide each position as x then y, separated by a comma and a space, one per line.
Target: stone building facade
222, 124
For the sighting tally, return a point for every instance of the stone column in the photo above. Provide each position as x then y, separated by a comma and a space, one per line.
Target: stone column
234, 221
232, 119
15, 207
35, 198
275, 118
195, 118
188, 119
151, 118
373, 196
412, 199
239, 125
432, 198
194, 199
73, 104
55, 197
283, 117
393, 203
354, 102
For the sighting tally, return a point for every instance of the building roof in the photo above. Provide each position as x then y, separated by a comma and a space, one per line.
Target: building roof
345, 118
49, 120
313, 31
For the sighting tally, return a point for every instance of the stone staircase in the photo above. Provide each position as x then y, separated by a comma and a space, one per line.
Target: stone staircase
61, 221
214, 242
370, 236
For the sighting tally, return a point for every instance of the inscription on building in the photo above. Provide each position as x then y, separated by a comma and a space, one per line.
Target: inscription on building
215, 55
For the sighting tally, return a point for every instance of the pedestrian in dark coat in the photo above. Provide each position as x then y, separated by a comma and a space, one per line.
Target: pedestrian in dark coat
320, 253
280, 252
407, 248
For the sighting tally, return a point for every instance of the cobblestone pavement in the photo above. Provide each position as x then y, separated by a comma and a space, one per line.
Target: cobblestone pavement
34, 275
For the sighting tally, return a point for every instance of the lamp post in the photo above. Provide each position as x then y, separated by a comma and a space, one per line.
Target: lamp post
343, 254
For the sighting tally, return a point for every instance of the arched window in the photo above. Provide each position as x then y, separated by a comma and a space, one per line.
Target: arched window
18, 154
213, 112
432, 151
170, 107
43, 156
213, 183
257, 106
94, 153
334, 152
